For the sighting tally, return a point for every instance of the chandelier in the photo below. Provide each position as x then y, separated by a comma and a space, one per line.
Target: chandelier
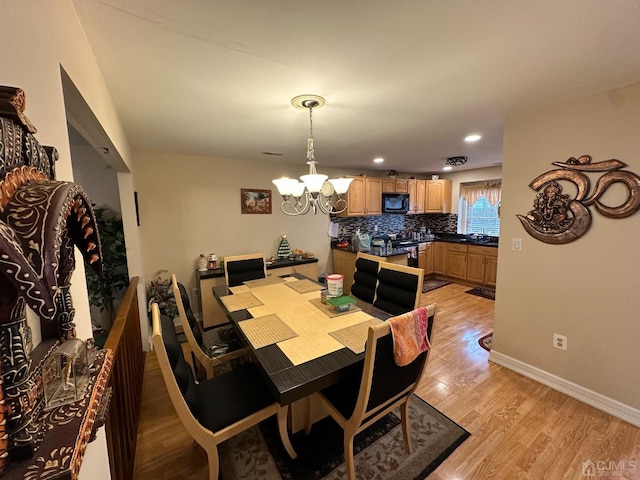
315, 191
456, 161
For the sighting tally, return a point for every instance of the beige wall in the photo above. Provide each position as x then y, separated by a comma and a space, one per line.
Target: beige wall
587, 289
191, 205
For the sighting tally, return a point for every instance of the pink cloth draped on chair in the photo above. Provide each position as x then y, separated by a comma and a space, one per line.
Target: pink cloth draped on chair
409, 332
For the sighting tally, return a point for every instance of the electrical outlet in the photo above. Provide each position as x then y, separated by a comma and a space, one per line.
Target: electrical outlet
559, 341
195, 292
516, 244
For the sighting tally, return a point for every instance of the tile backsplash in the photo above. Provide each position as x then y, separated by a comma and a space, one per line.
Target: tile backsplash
393, 223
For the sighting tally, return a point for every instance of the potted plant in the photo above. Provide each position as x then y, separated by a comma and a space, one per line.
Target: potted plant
159, 291
104, 289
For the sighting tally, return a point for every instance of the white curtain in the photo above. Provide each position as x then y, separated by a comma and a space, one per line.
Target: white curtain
472, 192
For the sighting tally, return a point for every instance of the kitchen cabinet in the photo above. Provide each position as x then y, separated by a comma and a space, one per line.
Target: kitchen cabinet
482, 265
437, 196
389, 185
344, 263
457, 261
440, 258
417, 189
364, 197
402, 185
400, 259
426, 257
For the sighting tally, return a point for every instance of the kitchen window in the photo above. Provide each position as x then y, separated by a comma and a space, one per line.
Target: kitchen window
478, 208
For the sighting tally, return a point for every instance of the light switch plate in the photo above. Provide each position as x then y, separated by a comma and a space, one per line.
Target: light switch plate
516, 245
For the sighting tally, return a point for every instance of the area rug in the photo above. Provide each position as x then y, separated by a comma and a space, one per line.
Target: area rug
433, 284
379, 450
489, 293
486, 342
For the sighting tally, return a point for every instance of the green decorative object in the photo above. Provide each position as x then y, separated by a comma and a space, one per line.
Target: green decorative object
284, 249
159, 291
104, 289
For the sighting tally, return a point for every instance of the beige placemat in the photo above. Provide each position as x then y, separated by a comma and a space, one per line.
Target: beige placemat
305, 286
240, 301
355, 336
267, 330
263, 282
331, 313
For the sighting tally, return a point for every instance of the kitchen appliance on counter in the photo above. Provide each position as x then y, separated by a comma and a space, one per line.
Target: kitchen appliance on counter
377, 245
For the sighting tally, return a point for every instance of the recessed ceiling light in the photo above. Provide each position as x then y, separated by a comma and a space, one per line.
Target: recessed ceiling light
472, 138
447, 168
378, 160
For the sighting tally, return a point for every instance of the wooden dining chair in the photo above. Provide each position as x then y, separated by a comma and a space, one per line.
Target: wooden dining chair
365, 278
210, 349
357, 402
399, 288
214, 410
240, 268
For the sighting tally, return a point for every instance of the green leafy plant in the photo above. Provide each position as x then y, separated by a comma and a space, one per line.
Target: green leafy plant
159, 291
104, 289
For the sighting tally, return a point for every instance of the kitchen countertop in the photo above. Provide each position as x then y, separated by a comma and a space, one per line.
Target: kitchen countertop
396, 251
448, 238
467, 240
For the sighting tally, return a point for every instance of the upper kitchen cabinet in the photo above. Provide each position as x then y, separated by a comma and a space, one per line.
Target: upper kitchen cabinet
417, 189
401, 185
438, 196
364, 197
389, 185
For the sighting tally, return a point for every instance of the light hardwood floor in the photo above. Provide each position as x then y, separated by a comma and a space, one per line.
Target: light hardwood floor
519, 429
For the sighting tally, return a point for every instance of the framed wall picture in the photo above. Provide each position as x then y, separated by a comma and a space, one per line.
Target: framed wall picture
254, 200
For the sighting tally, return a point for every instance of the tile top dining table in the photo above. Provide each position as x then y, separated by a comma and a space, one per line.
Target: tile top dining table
300, 344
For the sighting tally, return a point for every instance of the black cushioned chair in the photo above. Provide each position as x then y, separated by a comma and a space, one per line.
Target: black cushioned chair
399, 288
240, 268
374, 390
214, 410
212, 348
365, 278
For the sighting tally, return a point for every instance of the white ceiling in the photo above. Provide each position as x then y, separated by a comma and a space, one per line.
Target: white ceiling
403, 79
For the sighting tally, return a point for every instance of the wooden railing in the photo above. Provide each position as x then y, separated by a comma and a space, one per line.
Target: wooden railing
126, 382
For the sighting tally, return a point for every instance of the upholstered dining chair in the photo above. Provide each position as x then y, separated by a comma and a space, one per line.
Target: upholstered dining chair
212, 348
214, 410
399, 288
365, 278
240, 268
378, 388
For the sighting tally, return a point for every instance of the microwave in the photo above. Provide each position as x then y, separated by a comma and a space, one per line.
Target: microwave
395, 202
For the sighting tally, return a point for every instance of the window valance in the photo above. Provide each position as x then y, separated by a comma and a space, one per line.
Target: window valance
491, 190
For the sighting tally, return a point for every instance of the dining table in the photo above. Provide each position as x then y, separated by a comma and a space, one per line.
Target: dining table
299, 343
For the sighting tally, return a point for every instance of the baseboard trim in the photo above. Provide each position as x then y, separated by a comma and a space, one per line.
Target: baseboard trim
597, 400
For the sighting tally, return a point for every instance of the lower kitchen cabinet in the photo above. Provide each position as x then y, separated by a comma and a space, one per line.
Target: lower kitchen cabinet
457, 261
482, 265
344, 263
440, 258
426, 257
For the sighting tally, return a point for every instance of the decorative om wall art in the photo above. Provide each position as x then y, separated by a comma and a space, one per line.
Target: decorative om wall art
557, 218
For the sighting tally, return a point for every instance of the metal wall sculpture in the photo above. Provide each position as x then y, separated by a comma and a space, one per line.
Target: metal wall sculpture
557, 218
41, 219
